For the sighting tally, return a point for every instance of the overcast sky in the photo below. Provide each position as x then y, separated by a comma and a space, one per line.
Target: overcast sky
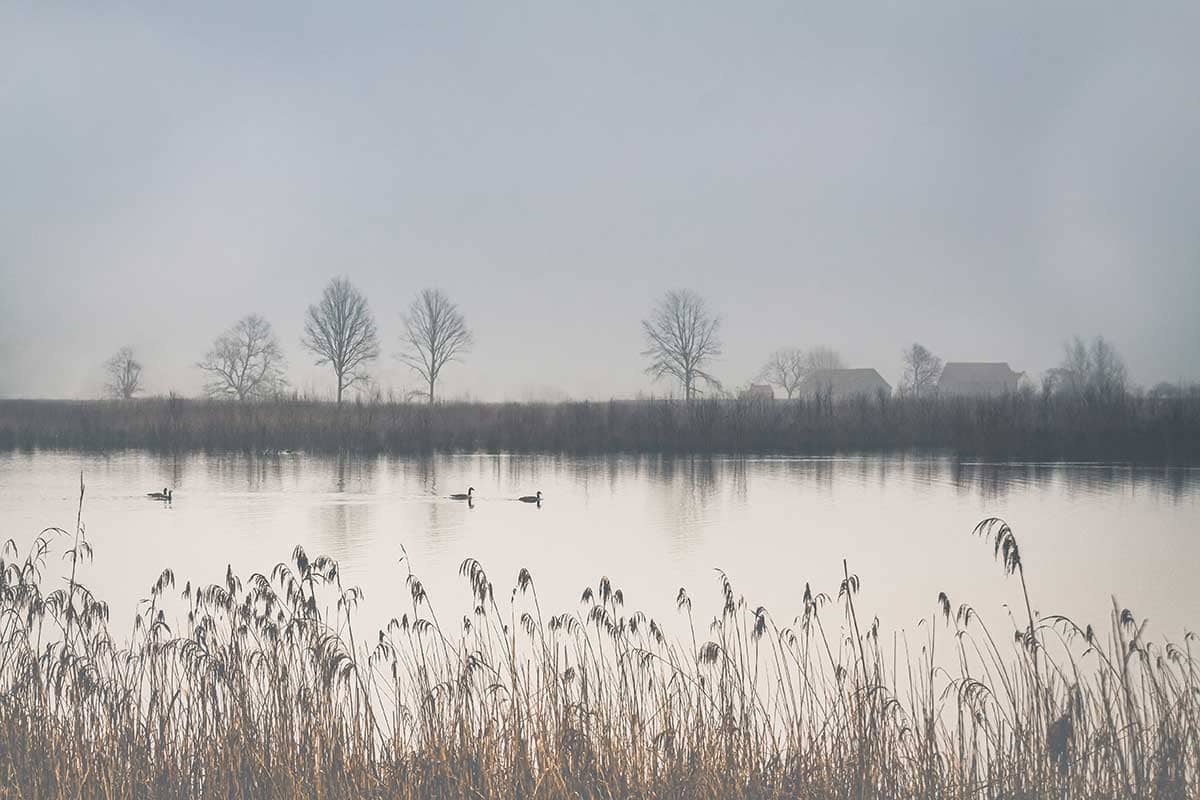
987, 179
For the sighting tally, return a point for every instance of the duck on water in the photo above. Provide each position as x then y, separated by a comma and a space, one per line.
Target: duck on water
532, 498
165, 494
467, 496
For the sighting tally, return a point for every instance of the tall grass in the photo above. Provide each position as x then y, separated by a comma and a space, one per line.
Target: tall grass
264, 688
1022, 425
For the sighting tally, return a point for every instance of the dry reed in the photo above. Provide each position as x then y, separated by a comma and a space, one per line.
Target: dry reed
1027, 425
263, 689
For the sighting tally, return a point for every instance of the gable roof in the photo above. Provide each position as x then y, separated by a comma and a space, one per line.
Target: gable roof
845, 381
759, 390
987, 372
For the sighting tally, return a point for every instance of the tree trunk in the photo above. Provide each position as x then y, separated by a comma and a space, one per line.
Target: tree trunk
339, 392
431, 391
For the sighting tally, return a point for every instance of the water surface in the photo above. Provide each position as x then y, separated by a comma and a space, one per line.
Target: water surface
652, 524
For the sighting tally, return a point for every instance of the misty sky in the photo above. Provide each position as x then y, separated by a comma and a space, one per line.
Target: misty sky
987, 180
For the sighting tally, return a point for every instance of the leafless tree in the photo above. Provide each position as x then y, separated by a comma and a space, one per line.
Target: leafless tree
1073, 372
1109, 377
435, 333
245, 362
786, 368
822, 357
921, 369
681, 337
1095, 373
340, 331
124, 375
1165, 390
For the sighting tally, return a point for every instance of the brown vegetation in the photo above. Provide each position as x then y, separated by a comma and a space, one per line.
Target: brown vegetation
264, 689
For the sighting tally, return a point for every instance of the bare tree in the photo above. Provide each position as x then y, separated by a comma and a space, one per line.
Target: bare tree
435, 333
1073, 372
340, 331
786, 368
822, 357
681, 337
921, 369
245, 362
1165, 390
124, 374
1096, 372
1109, 378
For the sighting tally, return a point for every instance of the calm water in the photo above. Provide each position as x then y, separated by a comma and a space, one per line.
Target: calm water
651, 524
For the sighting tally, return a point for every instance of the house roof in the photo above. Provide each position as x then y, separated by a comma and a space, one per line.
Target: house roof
759, 389
845, 380
977, 372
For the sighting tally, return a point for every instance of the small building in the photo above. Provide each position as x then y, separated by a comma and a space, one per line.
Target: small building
977, 379
841, 384
758, 391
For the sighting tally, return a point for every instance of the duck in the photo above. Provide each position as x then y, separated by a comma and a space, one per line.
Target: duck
532, 498
165, 494
467, 496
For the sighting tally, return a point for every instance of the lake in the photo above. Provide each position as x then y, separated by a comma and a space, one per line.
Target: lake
652, 524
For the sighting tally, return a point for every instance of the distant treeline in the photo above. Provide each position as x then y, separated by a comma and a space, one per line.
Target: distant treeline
1026, 424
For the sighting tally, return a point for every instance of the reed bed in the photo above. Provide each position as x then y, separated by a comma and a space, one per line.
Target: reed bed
264, 688
1023, 425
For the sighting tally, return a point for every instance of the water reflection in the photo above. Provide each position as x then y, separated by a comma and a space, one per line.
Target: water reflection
344, 527
652, 522
352, 473
686, 487
693, 480
990, 480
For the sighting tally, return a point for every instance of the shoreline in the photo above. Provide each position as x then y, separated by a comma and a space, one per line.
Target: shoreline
1024, 426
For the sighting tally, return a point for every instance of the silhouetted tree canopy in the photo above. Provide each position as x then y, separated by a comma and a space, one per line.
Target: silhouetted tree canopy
124, 374
785, 368
245, 362
921, 370
435, 333
340, 331
681, 337
1093, 373
823, 357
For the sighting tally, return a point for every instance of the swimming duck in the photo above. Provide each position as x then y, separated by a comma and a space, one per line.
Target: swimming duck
467, 496
532, 498
165, 494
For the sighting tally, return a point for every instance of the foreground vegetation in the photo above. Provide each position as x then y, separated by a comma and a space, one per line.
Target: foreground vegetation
1027, 424
266, 689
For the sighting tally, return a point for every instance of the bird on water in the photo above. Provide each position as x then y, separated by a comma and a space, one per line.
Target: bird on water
165, 494
532, 498
467, 496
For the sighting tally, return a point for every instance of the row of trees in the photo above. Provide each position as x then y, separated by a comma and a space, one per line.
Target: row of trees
682, 337
246, 362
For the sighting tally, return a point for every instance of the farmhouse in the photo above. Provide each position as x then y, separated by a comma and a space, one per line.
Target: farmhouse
758, 391
844, 383
977, 379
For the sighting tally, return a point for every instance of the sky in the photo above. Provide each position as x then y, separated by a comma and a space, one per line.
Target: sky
988, 179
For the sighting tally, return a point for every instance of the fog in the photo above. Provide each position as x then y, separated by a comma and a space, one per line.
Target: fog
988, 181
